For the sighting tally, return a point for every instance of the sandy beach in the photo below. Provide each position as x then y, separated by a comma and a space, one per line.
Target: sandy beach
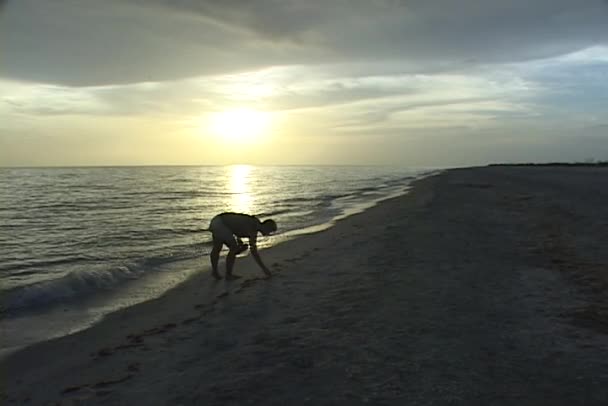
483, 286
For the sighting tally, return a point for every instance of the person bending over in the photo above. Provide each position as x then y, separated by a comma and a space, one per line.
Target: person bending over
229, 228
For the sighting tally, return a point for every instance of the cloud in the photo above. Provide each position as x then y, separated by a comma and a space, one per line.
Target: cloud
395, 79
93, 43
370, 98
83, 43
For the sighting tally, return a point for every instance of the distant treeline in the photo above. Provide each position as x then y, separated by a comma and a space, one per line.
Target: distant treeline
591, 163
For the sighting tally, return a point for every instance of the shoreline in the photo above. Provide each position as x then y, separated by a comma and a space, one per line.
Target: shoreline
412, 299
85, 313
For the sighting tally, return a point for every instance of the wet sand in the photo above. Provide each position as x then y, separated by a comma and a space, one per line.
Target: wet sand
481, 286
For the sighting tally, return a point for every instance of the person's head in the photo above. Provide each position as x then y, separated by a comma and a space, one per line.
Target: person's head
268, 226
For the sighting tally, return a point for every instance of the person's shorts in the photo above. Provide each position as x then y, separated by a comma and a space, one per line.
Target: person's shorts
221, 233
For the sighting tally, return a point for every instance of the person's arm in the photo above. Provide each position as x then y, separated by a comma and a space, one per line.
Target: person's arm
256, 255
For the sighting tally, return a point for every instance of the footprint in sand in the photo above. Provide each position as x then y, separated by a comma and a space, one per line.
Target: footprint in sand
136, 340
72, 389
130, 345
190, 320
155, 330
90, 388
110, 382
101, 393
104, 352
250, 282
290, 320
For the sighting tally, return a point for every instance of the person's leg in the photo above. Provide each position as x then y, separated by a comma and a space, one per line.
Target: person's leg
221, 235
236, 246
215, 256
230, 258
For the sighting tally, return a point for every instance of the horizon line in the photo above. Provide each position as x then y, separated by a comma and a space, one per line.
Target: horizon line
195, 165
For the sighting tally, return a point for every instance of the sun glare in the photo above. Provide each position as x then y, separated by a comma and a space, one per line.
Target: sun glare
240, 188
239, 125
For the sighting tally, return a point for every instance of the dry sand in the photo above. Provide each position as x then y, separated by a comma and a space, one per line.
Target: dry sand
482, 286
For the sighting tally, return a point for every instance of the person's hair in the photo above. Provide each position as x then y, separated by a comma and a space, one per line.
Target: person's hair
269, 226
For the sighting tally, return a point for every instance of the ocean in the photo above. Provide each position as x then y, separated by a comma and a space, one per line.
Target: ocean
79, 243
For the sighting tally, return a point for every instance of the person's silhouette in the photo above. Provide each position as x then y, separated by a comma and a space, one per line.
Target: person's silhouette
229, 228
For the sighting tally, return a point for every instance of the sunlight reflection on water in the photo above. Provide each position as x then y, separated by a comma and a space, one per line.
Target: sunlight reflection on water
240, 188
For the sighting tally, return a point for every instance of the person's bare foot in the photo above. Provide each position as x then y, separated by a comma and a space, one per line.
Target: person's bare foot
217, 276
232, 277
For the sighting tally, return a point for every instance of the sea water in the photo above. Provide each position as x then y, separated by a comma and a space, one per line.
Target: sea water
78, 243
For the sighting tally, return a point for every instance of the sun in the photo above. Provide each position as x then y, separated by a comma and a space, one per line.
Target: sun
241, 125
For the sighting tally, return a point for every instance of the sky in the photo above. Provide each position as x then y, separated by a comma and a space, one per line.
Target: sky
398, 82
